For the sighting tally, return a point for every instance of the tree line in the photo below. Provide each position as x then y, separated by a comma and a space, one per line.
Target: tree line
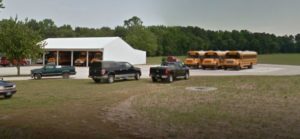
172, 40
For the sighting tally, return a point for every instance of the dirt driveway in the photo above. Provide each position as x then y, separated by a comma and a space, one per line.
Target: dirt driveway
260, 69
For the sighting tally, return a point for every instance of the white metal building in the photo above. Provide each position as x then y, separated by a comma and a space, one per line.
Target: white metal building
111, 49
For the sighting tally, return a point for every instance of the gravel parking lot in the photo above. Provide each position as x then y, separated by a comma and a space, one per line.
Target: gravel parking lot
260, 69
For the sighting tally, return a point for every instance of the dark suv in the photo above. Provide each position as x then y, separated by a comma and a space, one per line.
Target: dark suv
110, 71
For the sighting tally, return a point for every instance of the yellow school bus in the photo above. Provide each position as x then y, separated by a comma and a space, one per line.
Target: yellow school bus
240, 59
213, 59
194, 58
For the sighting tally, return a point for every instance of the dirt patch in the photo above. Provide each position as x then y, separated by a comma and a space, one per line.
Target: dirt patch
249, 86
4, 117
130, 121
201, 89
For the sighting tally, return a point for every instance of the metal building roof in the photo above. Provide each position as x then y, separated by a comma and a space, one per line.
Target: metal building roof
90, 43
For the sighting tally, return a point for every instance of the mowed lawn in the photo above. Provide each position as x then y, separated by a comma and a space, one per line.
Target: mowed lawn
242, 107
281, 59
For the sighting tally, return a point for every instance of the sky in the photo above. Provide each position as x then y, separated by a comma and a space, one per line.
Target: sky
280, 17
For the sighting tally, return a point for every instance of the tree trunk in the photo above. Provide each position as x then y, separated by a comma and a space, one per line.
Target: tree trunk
18, 69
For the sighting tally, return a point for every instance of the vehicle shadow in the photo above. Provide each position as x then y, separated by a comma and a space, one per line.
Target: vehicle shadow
4, 99
115, 82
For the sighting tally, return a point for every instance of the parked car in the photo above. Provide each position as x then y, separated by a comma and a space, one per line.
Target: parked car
23, 62
7, 89
80, 61
169, 71
51, 60
172, 59
4, 62
111, 71
53, 70
39, 61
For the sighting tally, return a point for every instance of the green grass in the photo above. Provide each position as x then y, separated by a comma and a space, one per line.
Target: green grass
242, 107
281, 59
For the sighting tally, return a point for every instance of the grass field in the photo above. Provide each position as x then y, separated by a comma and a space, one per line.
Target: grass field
282, 59
242, 107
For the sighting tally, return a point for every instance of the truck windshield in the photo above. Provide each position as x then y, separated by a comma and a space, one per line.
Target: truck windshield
49, 67
168, 64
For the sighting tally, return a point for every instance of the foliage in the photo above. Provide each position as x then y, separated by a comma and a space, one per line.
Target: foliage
174, 40
18, 41
140, 37
1, 4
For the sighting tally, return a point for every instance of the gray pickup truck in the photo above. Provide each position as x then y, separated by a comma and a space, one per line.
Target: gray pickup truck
53, 70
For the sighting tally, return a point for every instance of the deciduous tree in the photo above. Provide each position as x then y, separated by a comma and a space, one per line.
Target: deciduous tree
1, 4
18, 41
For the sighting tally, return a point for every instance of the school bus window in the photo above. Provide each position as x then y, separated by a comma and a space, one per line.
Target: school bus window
233, 56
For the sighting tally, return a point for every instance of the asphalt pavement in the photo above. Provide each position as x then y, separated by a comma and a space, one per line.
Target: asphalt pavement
82, 72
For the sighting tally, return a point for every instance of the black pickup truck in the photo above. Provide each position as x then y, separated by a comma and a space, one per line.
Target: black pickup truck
53, 70
110, 71
169, 71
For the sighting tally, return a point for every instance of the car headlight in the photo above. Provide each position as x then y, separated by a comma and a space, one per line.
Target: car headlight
14, 86
1, 87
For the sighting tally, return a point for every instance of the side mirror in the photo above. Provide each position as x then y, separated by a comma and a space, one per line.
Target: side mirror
1, 79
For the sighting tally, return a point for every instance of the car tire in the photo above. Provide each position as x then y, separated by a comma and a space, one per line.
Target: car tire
251, 66
37, 76
137, 76
170, 79
66, 75
203, 68
7, 96
154, 79
97, 80
110, 79
186, 76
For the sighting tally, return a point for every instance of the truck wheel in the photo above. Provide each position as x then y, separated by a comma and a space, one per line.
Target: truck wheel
97, 80
186, 76
215, 67
170, 78
66, 76
154, 79
137, 76
37, 76
110, 79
